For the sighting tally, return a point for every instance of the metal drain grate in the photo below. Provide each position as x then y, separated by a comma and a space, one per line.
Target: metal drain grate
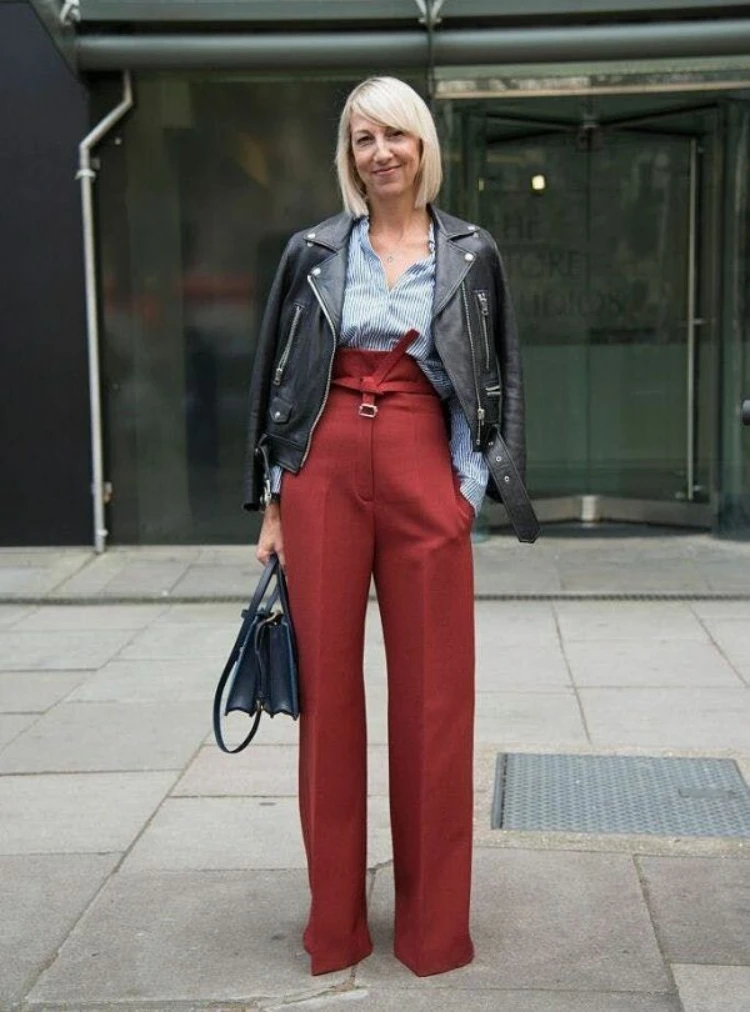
620, 794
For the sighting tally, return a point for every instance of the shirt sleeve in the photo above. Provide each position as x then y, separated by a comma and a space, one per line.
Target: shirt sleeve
467, 462
276, 476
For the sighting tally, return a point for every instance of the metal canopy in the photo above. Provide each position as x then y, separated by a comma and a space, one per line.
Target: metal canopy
404, 49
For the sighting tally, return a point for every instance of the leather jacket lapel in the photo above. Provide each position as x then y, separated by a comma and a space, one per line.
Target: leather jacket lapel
330, 274
453, 260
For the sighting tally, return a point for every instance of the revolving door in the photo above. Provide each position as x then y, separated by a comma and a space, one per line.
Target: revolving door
599, 223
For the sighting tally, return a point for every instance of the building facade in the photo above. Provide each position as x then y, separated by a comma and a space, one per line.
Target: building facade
606, 149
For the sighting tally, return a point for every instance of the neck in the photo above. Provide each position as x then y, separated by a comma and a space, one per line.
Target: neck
396, 217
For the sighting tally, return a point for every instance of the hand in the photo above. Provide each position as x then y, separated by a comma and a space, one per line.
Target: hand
270, 539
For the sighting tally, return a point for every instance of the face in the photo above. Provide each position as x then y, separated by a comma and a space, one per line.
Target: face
386, 159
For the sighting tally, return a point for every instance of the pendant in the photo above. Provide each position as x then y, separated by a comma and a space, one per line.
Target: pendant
390, 258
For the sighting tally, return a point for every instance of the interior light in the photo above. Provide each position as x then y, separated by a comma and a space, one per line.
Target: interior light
538, 183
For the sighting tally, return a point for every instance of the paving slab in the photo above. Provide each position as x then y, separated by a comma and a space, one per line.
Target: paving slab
701, 908
59, 651
713, 988
628, 620
76, 737
10, 614
509, 623
67, 617
206, 581
626, 577
524, 667
165, 641
189, 833
733, 638
187, 936
540, 920
150, 681
41, 897
36, 691
223, 613
30, 572
668, 718
448, 999
12, 724
279, 730
722, 610
84, 813
146, 578
666, 663
262, 771
529, 718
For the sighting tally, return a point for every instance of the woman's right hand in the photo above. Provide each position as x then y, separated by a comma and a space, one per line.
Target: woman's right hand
270, 539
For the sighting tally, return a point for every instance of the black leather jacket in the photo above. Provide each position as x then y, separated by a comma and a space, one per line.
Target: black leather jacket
473, 327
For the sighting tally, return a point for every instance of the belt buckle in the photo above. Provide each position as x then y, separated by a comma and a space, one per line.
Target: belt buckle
368, 410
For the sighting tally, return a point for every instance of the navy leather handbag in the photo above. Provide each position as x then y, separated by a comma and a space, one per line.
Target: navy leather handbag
261, 671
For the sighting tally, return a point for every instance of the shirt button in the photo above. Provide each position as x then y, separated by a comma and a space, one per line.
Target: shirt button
315, 271
468, 257
506, 479
499, 460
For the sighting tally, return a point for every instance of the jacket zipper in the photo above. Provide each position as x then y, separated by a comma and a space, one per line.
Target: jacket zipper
327, 315
287, 347
484, 310
480, 409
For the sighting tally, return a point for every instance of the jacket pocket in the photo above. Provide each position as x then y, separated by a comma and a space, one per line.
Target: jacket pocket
484, 320
288, 344
279, 410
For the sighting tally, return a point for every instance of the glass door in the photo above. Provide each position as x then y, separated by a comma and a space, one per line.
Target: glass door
598, 230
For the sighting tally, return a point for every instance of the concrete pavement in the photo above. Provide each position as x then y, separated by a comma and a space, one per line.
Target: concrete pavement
142, 869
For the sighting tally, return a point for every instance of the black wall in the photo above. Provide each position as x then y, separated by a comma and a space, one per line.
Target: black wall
44, 421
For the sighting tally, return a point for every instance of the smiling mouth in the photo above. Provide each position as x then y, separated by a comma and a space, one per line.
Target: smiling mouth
384, 172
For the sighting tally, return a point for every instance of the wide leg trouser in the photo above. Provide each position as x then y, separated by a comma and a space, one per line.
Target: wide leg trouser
377, 496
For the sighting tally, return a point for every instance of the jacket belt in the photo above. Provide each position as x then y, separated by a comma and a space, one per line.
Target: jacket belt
512, 490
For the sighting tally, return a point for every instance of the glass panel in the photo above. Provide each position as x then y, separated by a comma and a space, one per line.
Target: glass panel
195, 207
542, 234
594, 231
637, 316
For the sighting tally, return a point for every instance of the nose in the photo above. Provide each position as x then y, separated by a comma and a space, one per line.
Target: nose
382, 149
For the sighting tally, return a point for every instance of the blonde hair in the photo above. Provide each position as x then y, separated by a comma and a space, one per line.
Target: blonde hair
388, 102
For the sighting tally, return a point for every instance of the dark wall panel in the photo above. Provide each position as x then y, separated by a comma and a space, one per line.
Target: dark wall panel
44, 422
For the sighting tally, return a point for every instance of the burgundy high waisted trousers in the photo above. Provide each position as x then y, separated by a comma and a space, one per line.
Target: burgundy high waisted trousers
377, 496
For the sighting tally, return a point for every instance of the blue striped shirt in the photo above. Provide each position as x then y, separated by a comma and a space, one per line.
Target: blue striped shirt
375, 317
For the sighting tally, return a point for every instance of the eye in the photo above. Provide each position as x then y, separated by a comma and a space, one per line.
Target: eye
395, 132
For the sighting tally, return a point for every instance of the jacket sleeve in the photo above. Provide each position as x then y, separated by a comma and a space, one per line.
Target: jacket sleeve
512, 422
260, 382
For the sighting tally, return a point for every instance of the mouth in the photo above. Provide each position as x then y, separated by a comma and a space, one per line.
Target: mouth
385, 172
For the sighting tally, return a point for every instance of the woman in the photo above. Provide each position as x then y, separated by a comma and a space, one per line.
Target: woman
387, 337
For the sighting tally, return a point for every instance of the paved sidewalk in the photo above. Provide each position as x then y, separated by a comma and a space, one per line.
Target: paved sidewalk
142, 869
610, 560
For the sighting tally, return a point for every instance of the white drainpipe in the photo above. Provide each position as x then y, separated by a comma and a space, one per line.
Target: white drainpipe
87, 175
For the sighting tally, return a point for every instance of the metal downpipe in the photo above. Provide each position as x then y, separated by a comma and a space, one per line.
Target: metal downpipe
86, 175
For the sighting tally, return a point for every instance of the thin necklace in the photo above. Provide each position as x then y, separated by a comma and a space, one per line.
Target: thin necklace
390, 258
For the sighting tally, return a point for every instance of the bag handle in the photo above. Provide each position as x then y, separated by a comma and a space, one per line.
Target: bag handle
248, 616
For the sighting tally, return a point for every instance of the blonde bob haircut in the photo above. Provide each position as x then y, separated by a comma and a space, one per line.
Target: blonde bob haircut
388, 102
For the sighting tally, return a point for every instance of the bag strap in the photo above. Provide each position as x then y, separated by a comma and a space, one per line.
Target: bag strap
248, 617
